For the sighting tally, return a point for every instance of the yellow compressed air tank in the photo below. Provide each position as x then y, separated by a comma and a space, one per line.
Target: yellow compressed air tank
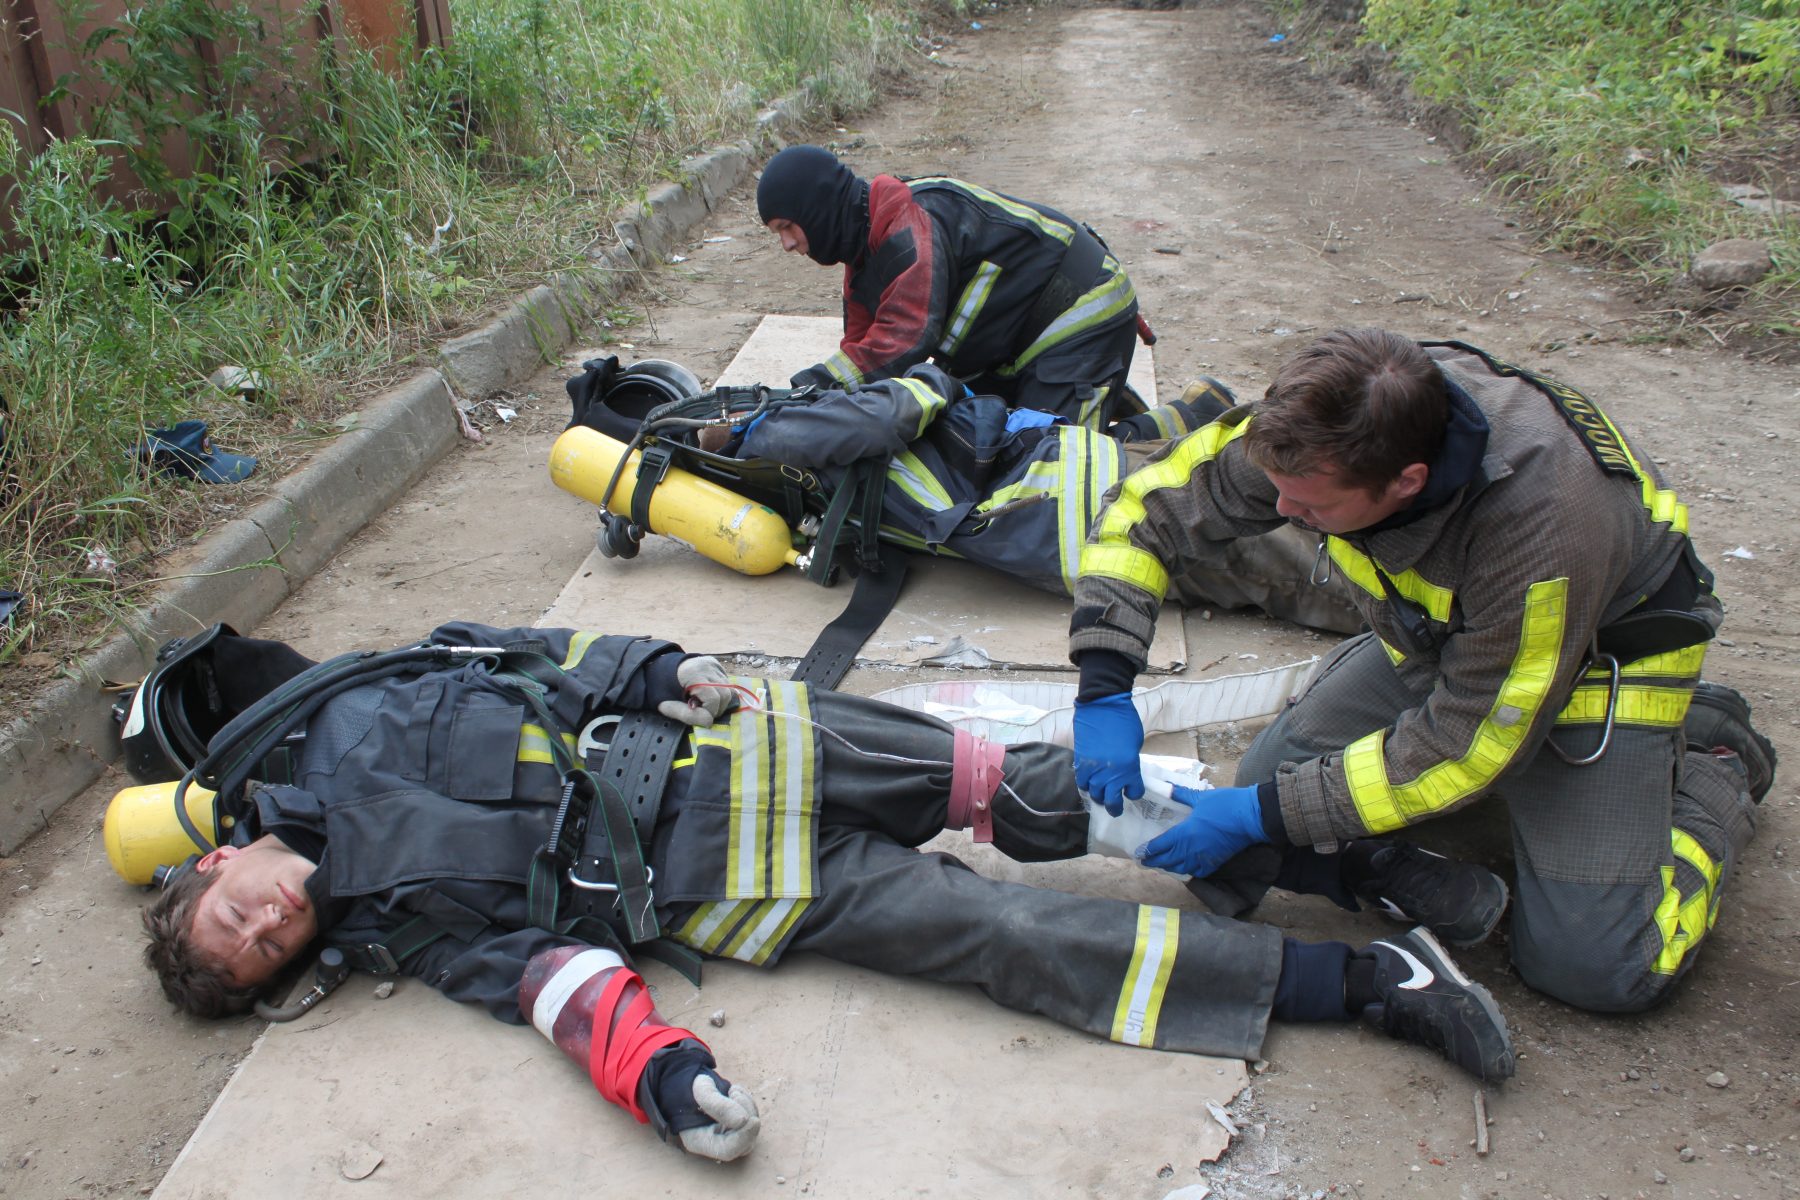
143, 833
724, 526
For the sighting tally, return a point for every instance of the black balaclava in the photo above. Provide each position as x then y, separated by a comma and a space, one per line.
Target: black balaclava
810, 187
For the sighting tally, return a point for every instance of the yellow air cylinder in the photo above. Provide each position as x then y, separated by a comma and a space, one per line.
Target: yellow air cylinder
724, 526
143, 833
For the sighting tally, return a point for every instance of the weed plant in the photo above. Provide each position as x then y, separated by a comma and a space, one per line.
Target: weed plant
339, 216
1619, 121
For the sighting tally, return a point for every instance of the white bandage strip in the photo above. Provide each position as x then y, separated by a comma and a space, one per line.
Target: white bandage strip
565, 983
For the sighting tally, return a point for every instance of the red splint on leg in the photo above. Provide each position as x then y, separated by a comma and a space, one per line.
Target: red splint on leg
974, 778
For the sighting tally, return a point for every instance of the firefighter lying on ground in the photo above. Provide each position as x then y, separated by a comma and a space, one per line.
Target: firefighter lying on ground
1012, 297
439, 824
1539, 619
961, 475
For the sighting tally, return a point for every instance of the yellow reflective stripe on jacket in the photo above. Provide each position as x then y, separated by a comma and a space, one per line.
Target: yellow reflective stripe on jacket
906, 472
1684, 921
930, 403
1024, 212
1083, 479
1662, 504
1109, 554
535, 747
1383, 806
1639, 704
1147, 978
843, 368
711, 923
763, 930
1096, 306
772, 802
1394, 654
974, 298
1671, 664
1361, 570
578, 648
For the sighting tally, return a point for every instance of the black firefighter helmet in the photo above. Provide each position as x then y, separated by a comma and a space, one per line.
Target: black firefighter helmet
197, 686
615, 400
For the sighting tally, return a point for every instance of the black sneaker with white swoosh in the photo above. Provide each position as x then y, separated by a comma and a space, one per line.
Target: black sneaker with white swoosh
1425, 999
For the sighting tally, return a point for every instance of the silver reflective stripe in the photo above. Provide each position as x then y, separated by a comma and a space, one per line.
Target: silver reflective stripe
565, 983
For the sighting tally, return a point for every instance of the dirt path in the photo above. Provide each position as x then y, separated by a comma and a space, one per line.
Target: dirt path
1255, 206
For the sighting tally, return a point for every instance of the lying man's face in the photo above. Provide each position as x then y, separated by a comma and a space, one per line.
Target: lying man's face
257, 916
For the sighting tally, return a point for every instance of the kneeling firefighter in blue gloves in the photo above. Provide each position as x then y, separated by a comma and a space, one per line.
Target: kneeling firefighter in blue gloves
1538, 621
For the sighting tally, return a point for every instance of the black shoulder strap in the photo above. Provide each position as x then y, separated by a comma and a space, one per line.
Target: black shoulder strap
1604, 443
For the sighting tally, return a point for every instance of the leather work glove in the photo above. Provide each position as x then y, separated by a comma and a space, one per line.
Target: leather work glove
735, 1121
709, 694
1108, 739
1225, 821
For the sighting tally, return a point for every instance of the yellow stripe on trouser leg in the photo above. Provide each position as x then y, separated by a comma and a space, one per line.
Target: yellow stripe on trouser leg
1685, 921
1147, 978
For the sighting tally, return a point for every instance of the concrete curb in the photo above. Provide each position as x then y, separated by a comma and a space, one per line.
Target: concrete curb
242, 572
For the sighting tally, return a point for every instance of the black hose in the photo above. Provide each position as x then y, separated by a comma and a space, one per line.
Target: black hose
331, 972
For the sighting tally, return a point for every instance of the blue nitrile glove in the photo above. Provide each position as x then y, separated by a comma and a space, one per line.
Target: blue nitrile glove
1224, 822
1108, 739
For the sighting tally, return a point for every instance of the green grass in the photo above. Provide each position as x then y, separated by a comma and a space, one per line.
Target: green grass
1617, 121
425, 199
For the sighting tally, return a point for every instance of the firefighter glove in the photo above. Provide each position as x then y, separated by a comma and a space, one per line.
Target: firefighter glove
709, 694
1224, 822
734, 1121
1108, 739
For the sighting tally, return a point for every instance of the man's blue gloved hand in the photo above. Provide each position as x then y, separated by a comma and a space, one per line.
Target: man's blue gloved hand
1224, 822
1108, 739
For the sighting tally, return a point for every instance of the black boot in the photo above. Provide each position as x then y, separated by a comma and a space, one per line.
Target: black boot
1203, 400
1719, 719
1459, 902
1423, 998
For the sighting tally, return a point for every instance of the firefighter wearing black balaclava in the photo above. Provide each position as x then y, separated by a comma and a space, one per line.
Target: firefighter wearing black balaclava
1014, 298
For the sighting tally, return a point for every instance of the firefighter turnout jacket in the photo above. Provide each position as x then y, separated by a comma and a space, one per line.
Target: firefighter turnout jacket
1488, 600
426, 797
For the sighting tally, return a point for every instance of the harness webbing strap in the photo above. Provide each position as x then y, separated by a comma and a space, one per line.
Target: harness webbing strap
974, 778
833, 652
1074, 275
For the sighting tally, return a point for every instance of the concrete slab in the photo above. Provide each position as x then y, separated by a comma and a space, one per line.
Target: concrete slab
950, 613
869, 1086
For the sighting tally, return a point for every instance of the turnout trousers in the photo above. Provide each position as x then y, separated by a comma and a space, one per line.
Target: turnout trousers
1620, 864
1139, 974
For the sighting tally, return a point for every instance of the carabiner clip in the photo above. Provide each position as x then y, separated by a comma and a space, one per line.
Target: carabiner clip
1612, 708
1324, 560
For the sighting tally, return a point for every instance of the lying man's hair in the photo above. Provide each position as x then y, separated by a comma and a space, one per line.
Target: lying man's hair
193, 980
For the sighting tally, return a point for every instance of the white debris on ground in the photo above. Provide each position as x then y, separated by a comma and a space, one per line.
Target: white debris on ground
1255, 1166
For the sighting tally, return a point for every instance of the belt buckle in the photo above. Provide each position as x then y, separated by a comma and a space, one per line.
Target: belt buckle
589, 885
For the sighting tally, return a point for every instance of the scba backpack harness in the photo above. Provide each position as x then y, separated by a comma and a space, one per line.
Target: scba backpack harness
659, 411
